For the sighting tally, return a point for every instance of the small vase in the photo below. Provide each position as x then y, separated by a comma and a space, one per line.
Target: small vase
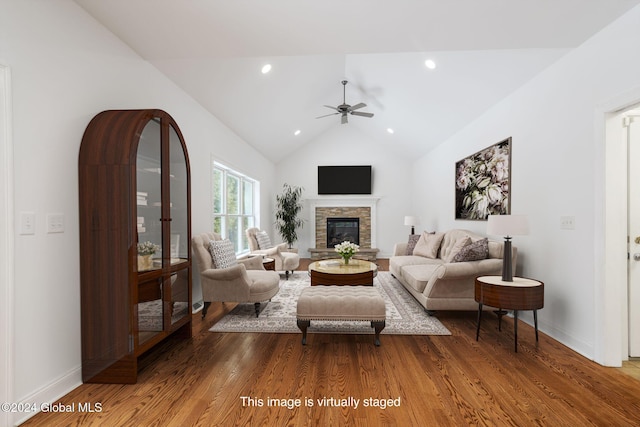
346, 260
145, 262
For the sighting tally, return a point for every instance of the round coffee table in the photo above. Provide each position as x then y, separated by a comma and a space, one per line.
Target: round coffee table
336, 272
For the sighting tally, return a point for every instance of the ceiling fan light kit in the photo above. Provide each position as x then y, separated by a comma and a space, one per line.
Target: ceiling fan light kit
345, 109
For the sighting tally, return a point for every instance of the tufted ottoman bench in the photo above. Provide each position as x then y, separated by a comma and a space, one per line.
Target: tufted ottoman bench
341, 303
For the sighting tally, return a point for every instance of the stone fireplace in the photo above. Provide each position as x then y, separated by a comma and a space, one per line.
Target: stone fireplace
362, 214
347, 213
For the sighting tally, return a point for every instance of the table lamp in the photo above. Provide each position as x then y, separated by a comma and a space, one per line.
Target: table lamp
507, 226
412, 221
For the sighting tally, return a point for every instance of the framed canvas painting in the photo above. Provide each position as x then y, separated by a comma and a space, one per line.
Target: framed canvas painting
483, 183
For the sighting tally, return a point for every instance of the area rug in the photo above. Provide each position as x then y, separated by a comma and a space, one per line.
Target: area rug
405, 316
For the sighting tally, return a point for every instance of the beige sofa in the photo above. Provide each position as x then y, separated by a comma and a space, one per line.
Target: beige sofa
441, 285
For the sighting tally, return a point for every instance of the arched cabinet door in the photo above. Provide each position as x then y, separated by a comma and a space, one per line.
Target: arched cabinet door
135, 229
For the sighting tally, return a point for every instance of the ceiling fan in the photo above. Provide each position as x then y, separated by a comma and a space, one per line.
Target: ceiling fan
344, 109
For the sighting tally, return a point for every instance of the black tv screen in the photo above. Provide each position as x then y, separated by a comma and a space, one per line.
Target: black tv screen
344, 179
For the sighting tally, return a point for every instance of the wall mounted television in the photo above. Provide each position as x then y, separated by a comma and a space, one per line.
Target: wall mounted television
344, 179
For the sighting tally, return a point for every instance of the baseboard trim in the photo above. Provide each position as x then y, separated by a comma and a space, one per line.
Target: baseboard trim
583, 348
51, 393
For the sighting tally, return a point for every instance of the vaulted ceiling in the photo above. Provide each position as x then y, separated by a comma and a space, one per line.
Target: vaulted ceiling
483, 50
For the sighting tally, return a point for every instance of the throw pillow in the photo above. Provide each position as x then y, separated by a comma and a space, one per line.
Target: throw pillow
411, 244
264, 242
222, 253
473, 251
428, 245
457, 247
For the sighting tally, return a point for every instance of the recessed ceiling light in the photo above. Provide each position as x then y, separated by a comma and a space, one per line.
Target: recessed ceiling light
266, 68
430, 64
296, 133
391, 131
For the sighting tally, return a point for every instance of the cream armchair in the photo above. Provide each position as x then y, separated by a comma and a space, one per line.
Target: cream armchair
287, 259
245, 282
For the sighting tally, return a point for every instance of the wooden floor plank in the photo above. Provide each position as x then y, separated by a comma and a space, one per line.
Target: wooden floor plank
439, 380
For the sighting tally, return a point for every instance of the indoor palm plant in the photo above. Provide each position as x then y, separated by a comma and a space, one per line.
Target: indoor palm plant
288, 207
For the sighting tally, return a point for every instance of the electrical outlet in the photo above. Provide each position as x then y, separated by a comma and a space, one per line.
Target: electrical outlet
567, 222
55, 223
27, 223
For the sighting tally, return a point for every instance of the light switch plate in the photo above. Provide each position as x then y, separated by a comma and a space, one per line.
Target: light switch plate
27, 223
55, 223
567, 222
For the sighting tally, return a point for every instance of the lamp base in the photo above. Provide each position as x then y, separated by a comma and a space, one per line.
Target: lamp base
507, 272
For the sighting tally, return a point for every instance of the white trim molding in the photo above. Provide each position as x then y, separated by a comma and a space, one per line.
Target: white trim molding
6, 245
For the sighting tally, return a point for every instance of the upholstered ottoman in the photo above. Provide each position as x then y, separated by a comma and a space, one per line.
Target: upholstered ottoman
341, 303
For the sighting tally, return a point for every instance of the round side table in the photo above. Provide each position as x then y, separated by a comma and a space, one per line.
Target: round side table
521, 294
269, 264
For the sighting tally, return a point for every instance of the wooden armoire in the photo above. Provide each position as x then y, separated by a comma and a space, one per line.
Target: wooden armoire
135, 194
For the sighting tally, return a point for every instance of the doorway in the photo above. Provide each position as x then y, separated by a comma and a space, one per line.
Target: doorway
612, 243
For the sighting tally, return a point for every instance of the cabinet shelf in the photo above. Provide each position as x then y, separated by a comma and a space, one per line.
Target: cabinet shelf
134, 175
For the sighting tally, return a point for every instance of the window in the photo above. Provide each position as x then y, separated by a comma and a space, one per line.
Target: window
234, 205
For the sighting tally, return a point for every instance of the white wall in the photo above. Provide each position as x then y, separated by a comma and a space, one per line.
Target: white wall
6, 242
65, 69
556, 171
346, 145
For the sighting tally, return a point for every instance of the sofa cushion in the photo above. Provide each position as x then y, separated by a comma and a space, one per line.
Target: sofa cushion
397, 263
417, 276
222, 253
264, 242
472, 252
411, 244
457, 247
428, 245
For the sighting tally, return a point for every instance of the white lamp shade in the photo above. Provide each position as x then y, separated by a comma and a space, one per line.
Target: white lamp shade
410, 220
507, 225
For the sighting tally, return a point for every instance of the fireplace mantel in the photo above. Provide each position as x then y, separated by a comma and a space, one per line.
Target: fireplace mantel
343, 202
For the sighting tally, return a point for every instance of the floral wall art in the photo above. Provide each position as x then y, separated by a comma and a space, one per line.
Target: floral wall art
483, 182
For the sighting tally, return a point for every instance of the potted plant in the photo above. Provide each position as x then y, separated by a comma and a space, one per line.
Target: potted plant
346, 250
145, 255
288, 207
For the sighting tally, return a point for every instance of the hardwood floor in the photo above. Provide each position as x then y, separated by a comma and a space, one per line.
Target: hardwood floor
436, 380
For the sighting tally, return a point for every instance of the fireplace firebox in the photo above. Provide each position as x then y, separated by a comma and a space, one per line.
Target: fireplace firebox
342, 229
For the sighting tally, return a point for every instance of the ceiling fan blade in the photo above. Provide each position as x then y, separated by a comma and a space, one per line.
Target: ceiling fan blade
357, 106
333, 108
344, 119
327, 115
363, 114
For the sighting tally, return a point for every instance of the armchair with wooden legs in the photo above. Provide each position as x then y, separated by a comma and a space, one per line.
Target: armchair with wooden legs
245, 282
287, 259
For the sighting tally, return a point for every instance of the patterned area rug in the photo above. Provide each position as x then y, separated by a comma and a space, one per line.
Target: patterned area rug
405, 316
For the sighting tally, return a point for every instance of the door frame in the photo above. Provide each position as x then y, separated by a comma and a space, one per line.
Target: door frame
6, 245
610, 232
630, 116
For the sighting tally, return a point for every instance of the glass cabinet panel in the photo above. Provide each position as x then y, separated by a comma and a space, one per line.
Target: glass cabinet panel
179, 224
179, 307
150, 310
149, 228
179, 201
149, 197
